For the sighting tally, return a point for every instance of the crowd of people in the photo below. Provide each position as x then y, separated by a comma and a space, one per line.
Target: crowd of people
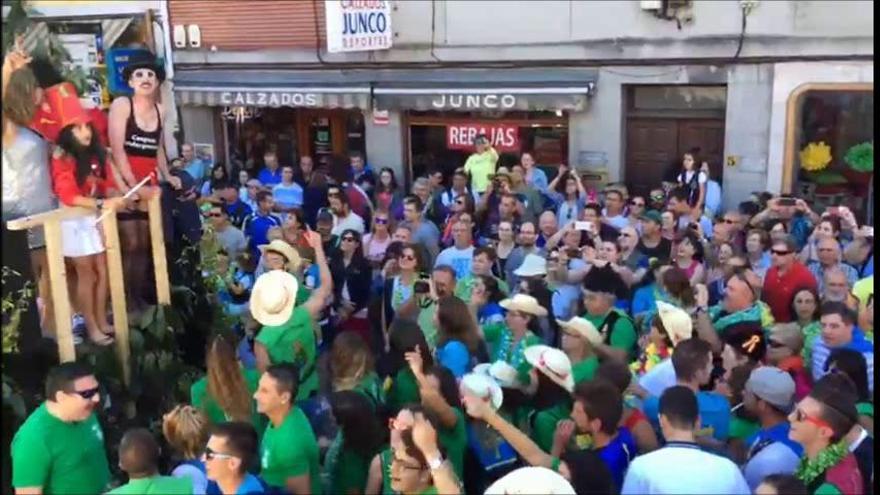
491, 331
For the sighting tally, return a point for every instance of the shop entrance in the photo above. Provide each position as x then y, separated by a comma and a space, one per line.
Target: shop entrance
663, 123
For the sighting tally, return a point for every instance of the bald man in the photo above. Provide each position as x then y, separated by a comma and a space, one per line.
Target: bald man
139, 458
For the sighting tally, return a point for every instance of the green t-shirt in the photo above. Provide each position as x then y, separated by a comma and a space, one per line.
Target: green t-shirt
371, 387
741, 428
464, 287
155, 485
500, 339
350, 472
385, 458
294, 342
545, 424
426, 323
585, 370
622, 336
202, 400
404, 390
290, 450
481, 166
454, 440
60, 457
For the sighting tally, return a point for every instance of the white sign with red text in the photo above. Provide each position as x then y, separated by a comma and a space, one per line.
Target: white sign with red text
358, 25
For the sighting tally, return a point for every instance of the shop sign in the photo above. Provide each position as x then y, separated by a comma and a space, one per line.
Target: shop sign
269, 99
358, 25
503, 137
474, 102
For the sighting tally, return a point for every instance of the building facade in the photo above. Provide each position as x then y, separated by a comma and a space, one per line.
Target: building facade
619, 89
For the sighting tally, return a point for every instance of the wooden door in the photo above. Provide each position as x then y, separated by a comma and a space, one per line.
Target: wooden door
708, 136
651, 146
308, 130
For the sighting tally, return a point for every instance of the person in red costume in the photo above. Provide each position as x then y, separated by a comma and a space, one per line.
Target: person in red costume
135, 127
82, 176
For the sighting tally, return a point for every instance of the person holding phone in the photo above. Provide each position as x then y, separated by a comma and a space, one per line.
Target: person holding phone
481, 164
794, 213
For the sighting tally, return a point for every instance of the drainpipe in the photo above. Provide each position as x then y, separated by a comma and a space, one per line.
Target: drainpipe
170, 105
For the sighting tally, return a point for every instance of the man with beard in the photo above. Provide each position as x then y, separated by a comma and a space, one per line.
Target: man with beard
525, 246
60, 447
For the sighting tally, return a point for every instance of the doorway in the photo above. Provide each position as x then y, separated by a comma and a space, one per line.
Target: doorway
663, 123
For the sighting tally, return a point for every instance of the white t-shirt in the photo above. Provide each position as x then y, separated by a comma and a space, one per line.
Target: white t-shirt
682, 468
459, 259
352, 221
686, 177
659, 378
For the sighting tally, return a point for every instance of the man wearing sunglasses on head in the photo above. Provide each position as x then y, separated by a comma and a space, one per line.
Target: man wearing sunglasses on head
60, 447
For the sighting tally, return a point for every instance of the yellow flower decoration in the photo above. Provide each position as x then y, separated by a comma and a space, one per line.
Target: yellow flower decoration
815, 156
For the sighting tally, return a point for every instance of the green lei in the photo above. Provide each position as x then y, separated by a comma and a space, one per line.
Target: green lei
513, 355
808, 470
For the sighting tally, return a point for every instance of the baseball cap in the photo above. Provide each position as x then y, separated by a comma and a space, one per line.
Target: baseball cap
652, 215
772, 385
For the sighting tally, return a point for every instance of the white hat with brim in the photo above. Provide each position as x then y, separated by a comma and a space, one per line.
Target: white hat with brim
531, 479
482, 386
284, 249
523, 303
553, 363
503, 373
532, 266
582, 327
678, 324
273, 297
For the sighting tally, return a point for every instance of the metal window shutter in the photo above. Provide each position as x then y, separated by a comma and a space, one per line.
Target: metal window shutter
252, 25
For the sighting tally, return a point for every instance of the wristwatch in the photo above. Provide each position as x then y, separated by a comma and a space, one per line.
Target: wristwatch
700, 309
99, 203
436, 463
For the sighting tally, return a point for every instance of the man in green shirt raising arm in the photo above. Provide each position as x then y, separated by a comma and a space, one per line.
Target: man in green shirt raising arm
481, 164
289, 450
60, 447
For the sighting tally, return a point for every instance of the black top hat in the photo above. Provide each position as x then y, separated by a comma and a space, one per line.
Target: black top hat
143, 60
605, 280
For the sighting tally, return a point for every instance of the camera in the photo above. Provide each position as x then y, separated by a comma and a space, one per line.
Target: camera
421, 287
786, 202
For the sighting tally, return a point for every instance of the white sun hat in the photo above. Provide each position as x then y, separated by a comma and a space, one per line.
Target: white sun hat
532, 266
553, 363
273, 297
503, 373
582, 327
678, 324
531, 479
523, 303
482, 386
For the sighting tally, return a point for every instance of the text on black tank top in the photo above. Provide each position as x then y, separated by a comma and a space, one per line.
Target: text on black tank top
139, 142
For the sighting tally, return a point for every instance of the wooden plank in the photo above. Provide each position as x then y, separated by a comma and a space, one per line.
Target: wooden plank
58, 285
117, 294
39, 219
157, 239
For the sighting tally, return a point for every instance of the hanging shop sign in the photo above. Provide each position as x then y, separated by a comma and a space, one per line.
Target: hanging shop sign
270, 99
503, 137
358, 25
444, 100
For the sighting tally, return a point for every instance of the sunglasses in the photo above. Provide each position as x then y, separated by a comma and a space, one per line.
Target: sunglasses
775, 344
348, 239
407, 257
780, 252
87, 394
211, 455
801, 416
636, 203
381, 221
214, 215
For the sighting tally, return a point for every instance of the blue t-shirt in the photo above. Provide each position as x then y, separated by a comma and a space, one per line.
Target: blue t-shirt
492, 312
197, 169
251, 485
459, 259
714, 414
455, 356
256, 227
267, 178
288, 196
618, 454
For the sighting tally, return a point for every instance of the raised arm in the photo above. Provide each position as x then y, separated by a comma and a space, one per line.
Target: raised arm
316, 302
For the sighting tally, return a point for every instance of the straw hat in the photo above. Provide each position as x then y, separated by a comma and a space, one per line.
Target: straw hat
582, 327
532, 266
284, 249
531, 479
678, 324
503, 373
523, 303
553, 363
501, 173
483, 386
273, 297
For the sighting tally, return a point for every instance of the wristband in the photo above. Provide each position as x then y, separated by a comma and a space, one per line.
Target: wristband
436, 463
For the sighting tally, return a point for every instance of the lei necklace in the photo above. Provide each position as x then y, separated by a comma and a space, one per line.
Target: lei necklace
650, 358
810, 469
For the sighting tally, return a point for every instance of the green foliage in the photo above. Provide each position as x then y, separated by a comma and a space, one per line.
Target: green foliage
861, 157
13, 305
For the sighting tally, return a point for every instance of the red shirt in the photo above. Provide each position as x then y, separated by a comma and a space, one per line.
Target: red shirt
779, 290
64, 180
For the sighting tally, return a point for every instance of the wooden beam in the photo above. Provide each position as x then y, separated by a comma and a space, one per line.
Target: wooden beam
117, 294
58, 285
160, 262
39, 219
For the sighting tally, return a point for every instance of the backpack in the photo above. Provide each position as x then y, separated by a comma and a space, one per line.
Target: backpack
607, 325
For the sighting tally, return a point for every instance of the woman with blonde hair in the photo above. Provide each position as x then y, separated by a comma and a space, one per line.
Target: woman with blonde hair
186, 430
376, 241
353, 368
226, 392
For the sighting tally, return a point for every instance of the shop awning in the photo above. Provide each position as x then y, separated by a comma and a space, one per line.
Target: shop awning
316, 89
468, 90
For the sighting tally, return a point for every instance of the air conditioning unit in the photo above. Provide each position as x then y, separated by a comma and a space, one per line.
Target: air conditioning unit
195, 36
179, 36
651, 4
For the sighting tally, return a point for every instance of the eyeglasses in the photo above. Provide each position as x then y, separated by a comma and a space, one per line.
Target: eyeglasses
780, 252
211, 455
87, 394
800, 416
